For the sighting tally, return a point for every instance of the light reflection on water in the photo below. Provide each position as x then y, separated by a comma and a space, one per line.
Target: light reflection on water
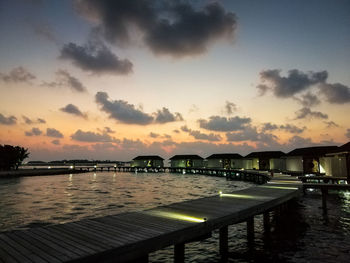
303, 234
32, 201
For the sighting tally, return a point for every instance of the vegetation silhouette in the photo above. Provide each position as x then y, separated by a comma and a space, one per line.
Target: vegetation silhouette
11, 157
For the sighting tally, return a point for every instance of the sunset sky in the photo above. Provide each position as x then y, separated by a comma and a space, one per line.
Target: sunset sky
100, 79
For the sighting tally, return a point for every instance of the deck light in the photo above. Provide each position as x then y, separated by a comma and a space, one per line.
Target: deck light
279, 187
178, 216
244, 196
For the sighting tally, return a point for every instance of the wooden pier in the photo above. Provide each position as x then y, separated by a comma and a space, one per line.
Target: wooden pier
132, 236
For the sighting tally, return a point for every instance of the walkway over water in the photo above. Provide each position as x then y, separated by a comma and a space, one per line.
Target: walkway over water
131, 236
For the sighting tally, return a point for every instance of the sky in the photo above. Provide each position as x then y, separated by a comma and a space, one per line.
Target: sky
110, 80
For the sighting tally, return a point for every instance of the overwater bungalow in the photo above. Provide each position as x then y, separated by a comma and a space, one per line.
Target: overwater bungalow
338, 163
267, 160
186, 161
309, 160
225, 160
152, 161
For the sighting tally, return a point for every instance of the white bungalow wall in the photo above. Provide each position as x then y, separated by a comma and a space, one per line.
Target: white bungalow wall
247, 164
294, 164
333, 166
278, 164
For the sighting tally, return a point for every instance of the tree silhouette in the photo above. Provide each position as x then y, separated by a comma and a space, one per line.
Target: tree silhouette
12, 156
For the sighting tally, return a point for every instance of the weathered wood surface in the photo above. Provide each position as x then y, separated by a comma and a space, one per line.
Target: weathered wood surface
133, 235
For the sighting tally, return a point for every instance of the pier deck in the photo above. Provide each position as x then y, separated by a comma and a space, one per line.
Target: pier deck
131, 236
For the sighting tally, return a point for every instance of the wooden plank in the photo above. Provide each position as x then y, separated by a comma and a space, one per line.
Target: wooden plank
55, 239
60, 252
9, 255
36, 250
17, 251
119, 233
76, 245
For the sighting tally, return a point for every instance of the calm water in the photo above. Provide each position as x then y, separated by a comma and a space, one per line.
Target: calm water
302, 235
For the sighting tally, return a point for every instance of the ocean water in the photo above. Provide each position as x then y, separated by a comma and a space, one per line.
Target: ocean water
301, 234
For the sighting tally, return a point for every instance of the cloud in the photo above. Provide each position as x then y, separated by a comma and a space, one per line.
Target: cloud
17, 75
33, 132
10, 120
89, 136
45, 31
164, 116
287, 127
308, 100
51, 132
347, 134
97, 59
335, 93
124, 112
285, 87
306, 113
108, 130
154, 135
172, 28
230, 108
68, 80
30, 121
64, 79
56, 142
331, 124
74, 110
201, 136
217, 123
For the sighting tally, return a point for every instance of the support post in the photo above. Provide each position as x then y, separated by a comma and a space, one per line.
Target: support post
250, 230
324, 200
267, 225
179, 253
223, 243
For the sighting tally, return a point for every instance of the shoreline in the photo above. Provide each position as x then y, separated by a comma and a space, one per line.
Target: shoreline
38, 172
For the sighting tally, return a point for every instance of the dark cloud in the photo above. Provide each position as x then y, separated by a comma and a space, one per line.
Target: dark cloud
174, 28
306, 113
74, 110
164, 116
269, 127
44, 31
68, 80
51, 132
153, 135
39, 120
285, 87
56, 142
108, 130
347, 134
308, 100
30, 121
287, 127
64, 79
230, 108
97, 59
331, 124
127, 113
201, 136
89, 136
33, 132
122, 111
217, 123
10, 120
292, 128
335, 93
17, 75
